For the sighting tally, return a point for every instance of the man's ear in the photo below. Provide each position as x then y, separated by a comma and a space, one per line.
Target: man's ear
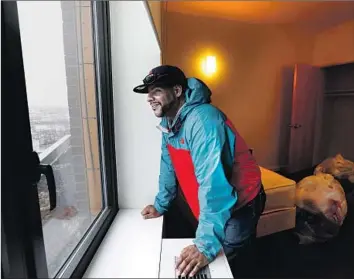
177, 89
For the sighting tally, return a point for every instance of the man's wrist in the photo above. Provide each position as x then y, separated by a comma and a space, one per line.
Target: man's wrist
158, 208
204, 251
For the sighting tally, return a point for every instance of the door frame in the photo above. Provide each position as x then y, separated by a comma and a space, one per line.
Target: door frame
292, 164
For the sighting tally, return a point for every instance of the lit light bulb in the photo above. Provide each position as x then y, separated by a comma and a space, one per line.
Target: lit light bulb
209, 65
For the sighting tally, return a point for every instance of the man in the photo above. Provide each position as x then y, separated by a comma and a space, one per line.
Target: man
217, 173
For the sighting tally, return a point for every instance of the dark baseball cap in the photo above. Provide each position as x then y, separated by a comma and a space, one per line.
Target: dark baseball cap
165, 75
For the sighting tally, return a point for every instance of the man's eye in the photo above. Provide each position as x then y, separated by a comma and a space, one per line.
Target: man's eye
158, 92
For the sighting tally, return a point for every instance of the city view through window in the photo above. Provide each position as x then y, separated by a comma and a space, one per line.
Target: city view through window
48, 125
57, 46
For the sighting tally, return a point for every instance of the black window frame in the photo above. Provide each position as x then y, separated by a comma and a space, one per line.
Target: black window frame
22, 248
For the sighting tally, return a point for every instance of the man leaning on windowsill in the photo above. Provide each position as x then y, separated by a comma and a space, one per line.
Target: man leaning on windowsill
218, 176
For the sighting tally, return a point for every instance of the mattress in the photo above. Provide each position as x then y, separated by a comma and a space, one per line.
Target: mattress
280, 191
274, 222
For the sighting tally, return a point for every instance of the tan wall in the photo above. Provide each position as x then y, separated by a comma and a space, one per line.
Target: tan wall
335, 45
155, 10
254, 76
248, 85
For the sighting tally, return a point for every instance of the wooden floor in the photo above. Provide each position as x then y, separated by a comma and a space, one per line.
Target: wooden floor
280, 255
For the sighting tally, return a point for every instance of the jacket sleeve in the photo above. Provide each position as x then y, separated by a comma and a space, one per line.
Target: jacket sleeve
215, 194
167, 181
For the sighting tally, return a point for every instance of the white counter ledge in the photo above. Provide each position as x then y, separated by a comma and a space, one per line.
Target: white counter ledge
130, 249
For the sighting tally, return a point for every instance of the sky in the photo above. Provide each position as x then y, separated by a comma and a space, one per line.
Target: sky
43, 53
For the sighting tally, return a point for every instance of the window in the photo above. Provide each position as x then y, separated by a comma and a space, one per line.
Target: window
61, 188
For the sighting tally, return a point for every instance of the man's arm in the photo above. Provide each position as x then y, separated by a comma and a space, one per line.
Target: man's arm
215, 194
167, 181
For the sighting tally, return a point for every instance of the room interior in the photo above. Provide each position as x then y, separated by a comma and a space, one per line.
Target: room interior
282, 72
284, 75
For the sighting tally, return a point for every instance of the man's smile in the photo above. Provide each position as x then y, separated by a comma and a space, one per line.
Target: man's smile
154, 106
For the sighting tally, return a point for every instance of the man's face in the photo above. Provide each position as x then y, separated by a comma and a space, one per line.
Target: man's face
161, 100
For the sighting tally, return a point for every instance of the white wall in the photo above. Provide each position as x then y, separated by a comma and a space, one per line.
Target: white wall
135, 51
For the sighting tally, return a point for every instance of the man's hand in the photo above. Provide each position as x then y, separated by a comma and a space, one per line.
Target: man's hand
190, 261
150, 212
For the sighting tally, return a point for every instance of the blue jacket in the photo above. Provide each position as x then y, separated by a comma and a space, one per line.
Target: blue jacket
198, 149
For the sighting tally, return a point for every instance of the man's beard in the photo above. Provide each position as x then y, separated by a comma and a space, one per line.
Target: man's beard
167, 109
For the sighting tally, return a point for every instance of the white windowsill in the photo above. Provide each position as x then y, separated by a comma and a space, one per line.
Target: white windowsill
130, 249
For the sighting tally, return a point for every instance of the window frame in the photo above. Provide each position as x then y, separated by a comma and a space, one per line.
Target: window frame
23, 252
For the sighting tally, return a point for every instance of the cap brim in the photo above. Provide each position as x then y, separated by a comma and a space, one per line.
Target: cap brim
142, 89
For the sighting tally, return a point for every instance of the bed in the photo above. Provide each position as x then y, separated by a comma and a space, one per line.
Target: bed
280, 211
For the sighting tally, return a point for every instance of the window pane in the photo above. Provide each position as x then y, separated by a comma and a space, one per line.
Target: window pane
59, 69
